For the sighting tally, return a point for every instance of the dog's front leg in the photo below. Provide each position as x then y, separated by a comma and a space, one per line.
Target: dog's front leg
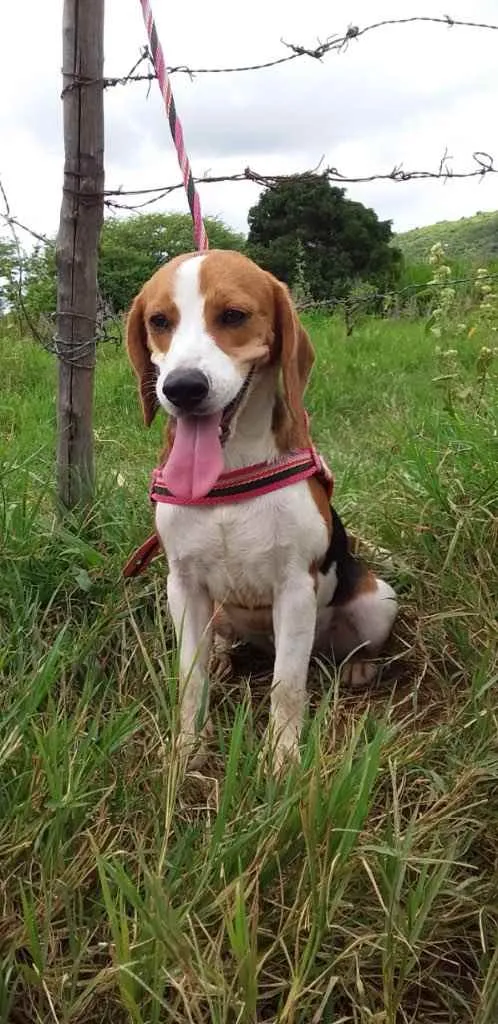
294, 621
192, 611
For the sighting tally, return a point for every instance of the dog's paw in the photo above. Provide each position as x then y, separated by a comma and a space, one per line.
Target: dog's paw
358, 674
193, 747
280, 753
285, 756
220, 661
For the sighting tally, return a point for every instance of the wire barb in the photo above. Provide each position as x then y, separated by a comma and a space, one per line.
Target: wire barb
333, 44
79, 354
484, 165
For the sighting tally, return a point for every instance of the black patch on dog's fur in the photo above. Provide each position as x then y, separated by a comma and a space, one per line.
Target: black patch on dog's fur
348, 568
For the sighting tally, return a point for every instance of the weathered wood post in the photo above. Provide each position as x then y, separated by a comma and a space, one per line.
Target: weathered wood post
77, 244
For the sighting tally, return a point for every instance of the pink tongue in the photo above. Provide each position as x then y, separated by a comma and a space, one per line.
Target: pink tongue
196, 459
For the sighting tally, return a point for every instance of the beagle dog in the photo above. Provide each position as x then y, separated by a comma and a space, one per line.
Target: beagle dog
215, 341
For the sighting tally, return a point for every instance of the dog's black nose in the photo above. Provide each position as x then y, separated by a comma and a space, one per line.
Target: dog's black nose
186, 388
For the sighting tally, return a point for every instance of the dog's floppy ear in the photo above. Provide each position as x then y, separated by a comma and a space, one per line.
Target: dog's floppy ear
296, 354
139, 356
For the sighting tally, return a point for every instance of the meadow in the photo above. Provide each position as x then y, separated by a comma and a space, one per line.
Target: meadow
471, 239
362, 886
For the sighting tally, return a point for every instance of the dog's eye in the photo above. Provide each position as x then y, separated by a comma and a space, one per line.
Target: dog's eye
159, 321
233, 317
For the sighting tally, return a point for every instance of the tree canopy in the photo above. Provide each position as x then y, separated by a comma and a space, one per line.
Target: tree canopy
131, 249
304, 226
8, 258
304, 231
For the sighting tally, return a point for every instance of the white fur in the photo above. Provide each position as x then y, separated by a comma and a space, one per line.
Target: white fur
363, 624
192, 621
374, 613
242, 553
192, 347
255, 553
246, 554
251, 438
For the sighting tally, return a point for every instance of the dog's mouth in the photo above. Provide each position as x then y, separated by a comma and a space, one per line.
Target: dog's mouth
196, 458
233, 407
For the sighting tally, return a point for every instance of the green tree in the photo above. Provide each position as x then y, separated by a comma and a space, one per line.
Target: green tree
131, 249
8, 273
39, 281
304, 224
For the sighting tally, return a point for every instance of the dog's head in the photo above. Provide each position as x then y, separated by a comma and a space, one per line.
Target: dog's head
202, 323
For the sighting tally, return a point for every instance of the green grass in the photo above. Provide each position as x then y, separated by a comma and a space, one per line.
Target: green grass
360, 888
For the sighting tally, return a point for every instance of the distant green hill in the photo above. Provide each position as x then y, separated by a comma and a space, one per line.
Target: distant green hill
471, 239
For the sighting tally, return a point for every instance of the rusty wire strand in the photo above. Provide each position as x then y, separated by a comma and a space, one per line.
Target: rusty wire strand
483, 160
337, 43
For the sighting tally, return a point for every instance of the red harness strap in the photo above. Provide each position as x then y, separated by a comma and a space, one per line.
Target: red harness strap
236, 485
251, 481
142, 557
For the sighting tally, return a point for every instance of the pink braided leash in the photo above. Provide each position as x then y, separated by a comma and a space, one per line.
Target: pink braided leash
200, 236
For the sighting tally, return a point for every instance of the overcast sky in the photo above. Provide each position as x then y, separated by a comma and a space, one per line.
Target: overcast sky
398, 95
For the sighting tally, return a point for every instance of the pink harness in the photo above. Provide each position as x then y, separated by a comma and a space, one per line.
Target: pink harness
251, 481
236, 485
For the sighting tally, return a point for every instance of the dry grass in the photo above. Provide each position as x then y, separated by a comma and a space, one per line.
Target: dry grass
360, 888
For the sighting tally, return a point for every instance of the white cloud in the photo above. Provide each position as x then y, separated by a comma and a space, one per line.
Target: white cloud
398, 95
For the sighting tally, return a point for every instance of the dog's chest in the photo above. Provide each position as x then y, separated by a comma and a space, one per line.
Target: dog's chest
241, 552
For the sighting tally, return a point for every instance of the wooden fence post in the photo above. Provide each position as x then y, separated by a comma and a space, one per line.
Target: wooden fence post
77, 244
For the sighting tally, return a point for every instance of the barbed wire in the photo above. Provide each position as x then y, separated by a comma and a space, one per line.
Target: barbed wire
13, 222
484, 161
76, 353
407, 290
369, 297
19, 297
413, 287
109, 325
338, 43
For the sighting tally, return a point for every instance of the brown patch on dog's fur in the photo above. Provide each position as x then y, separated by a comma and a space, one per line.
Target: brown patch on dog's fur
364, 582
281, 425
367, 583
169, 437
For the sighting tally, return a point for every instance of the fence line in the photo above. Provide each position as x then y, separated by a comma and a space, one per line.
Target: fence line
109, 324
408, 290
333, 43
484, 165
484, 161
44, 332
